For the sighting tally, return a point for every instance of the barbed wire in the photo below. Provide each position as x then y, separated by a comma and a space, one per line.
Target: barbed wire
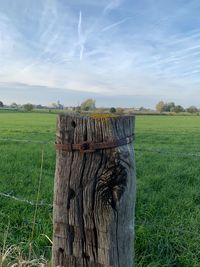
174, 153
32, 203
137, 223
25, 141
178, 230
166, 228
142, 150
161, 133
136, 134
157, 151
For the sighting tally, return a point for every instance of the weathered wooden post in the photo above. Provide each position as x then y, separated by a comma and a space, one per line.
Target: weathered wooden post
94, 194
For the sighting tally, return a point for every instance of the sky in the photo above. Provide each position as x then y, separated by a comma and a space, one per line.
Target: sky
120, 52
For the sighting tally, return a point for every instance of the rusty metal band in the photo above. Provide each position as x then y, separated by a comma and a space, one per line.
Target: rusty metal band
90, 146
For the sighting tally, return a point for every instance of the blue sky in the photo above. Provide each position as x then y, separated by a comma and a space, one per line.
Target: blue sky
120, 52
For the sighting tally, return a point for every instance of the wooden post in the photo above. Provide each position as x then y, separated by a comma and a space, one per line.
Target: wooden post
94, 193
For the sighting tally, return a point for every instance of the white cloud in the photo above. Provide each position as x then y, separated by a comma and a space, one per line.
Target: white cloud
112, 4
56, 45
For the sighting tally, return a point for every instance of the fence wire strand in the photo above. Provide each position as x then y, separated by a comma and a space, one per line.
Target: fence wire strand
32, 203
158, 151
151, 225
42, 203
174, 153
7, 140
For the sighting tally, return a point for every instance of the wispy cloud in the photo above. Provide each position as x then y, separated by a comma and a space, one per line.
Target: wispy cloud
110, 47
112, 4
113, 25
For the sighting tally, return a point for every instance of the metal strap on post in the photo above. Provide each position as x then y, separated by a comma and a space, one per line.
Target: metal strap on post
89, 146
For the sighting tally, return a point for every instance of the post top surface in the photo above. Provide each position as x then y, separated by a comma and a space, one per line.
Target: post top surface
96, 116
78, 128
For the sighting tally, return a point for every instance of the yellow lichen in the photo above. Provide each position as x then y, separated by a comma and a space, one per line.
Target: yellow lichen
102, 116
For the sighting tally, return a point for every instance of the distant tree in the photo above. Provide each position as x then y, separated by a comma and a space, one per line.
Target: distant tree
28, 107
112, 110
1, 104
39, 106
192, 109
165, 107
88, 104
160, 106
170, 106
143, 109
178, 109
14, 105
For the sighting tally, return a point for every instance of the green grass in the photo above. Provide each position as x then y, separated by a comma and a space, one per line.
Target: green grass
19, 175
168, 182
168, 195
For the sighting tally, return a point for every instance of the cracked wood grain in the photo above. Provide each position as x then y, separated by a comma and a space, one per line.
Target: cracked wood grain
94, 195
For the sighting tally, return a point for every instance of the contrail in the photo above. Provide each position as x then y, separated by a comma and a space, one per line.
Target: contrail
114, 25
80, 24
80, 36
81, 52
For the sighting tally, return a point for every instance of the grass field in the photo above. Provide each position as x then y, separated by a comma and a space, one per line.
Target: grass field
168, 182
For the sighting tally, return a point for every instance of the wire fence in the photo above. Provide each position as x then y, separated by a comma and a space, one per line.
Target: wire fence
164, 152
11, 140
32, 203
51, 143
168, 228
158, 151
19, 199
140, 151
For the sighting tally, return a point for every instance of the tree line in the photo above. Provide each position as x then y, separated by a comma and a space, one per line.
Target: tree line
89, 105
172, 107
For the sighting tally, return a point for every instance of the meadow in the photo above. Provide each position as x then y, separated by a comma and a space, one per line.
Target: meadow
168, 180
